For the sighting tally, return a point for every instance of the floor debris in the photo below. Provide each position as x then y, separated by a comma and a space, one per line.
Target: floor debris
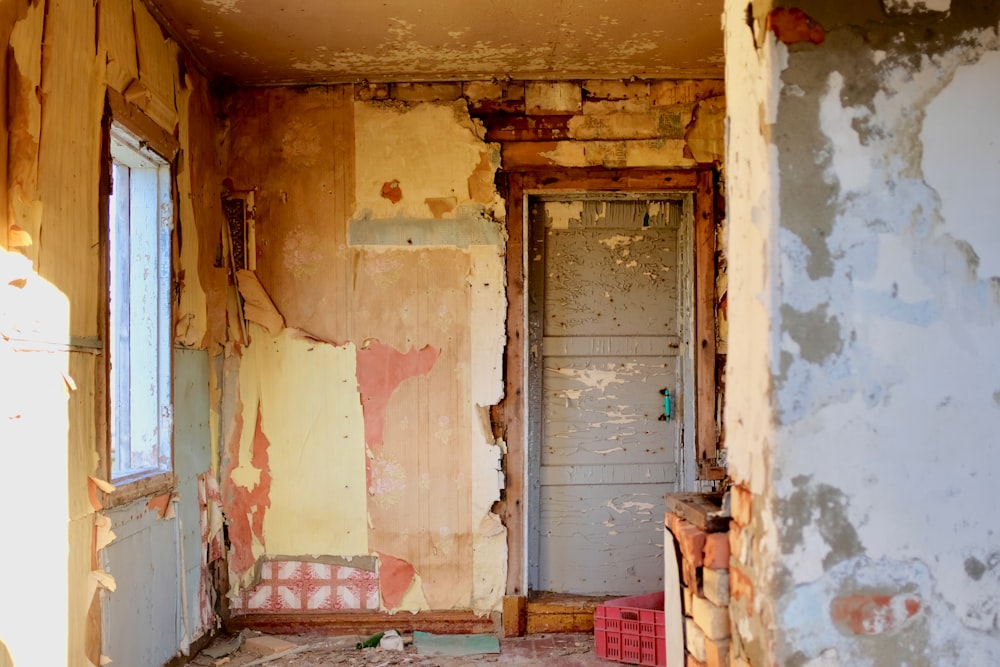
455, 645
267, 645
565, 650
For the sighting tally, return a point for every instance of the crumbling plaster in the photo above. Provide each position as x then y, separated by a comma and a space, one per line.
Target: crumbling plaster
861, 391
60, 62
389, 252
337, 41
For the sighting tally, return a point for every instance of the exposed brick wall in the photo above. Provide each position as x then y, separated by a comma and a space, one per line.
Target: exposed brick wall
706, 592
748, 627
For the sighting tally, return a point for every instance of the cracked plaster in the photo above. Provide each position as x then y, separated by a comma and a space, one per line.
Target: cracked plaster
882, 230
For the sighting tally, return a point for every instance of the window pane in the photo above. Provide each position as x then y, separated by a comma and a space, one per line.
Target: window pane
118, 251
139, 309
143, 309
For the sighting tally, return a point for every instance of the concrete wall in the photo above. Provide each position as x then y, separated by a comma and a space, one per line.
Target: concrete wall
59, 60
864, 286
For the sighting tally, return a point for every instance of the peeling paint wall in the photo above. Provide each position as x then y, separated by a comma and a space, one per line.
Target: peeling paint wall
344, 42
380, 242
600, 123
861, 404
60, 60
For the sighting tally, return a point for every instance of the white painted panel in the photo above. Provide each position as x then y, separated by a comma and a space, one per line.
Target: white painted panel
140, 617
611, 282
192, 457
144, 621
654, 473
605, 299
606, 410
599, 346
602, 539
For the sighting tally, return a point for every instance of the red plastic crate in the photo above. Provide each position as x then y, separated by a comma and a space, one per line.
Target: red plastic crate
631, 630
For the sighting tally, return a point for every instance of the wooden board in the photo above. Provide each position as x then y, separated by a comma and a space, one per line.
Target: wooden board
512, 406
117, 37
706, 430
68, 168
551, 612
704, 510
515, 615
24, 110
347, 622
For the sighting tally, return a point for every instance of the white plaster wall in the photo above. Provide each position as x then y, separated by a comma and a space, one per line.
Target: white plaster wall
863, 399
881, 446
752, 78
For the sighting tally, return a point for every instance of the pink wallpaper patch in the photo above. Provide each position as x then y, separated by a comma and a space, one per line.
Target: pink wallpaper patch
244, 507
294, 586
382, 368
395, 577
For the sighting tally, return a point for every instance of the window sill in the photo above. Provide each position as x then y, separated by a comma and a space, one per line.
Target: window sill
138, 486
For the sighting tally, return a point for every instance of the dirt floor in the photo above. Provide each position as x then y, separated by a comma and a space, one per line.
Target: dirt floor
568, 650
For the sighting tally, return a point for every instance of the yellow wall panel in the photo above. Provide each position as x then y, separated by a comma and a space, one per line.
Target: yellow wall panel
311, 415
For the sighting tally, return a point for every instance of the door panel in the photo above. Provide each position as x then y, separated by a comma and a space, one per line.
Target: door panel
603, 318
602, 538
605, 411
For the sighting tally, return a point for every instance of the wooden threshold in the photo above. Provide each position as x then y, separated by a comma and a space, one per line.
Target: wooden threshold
557, 612
365, 623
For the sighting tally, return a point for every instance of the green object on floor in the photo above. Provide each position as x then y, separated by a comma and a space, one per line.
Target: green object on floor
454, 645
372, 641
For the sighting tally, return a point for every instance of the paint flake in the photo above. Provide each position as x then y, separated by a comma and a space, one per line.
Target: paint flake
381, 369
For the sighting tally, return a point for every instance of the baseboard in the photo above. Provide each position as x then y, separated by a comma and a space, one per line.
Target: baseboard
363, 623
195, 648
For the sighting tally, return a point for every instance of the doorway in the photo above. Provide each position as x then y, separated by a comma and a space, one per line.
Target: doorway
609, 286
518, 418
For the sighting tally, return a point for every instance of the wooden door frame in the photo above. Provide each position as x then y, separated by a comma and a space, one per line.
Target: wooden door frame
509, 416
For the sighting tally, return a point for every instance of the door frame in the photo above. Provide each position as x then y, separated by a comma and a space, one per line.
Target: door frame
510, 415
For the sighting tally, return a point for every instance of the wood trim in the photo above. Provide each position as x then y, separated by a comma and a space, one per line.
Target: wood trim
515, 616
138, 123
121, 111
703, 510
576, 179
706, 440
364, 623
513, 403
526, 128
513, 187
129, 489
102, 370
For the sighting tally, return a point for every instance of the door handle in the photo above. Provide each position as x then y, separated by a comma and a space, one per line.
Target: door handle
665, 417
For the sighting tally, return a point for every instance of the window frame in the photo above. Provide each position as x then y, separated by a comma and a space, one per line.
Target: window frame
144, 135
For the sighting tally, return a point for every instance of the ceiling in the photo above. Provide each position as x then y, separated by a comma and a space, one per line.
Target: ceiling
269, 42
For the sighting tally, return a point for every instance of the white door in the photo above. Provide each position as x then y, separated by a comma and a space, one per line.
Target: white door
604, 341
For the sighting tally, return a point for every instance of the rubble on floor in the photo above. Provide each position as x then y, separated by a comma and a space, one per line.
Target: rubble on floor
250, 649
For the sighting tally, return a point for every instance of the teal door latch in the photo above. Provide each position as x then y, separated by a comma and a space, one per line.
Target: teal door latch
665, 417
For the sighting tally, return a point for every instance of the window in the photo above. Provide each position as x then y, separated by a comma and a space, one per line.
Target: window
140, 222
